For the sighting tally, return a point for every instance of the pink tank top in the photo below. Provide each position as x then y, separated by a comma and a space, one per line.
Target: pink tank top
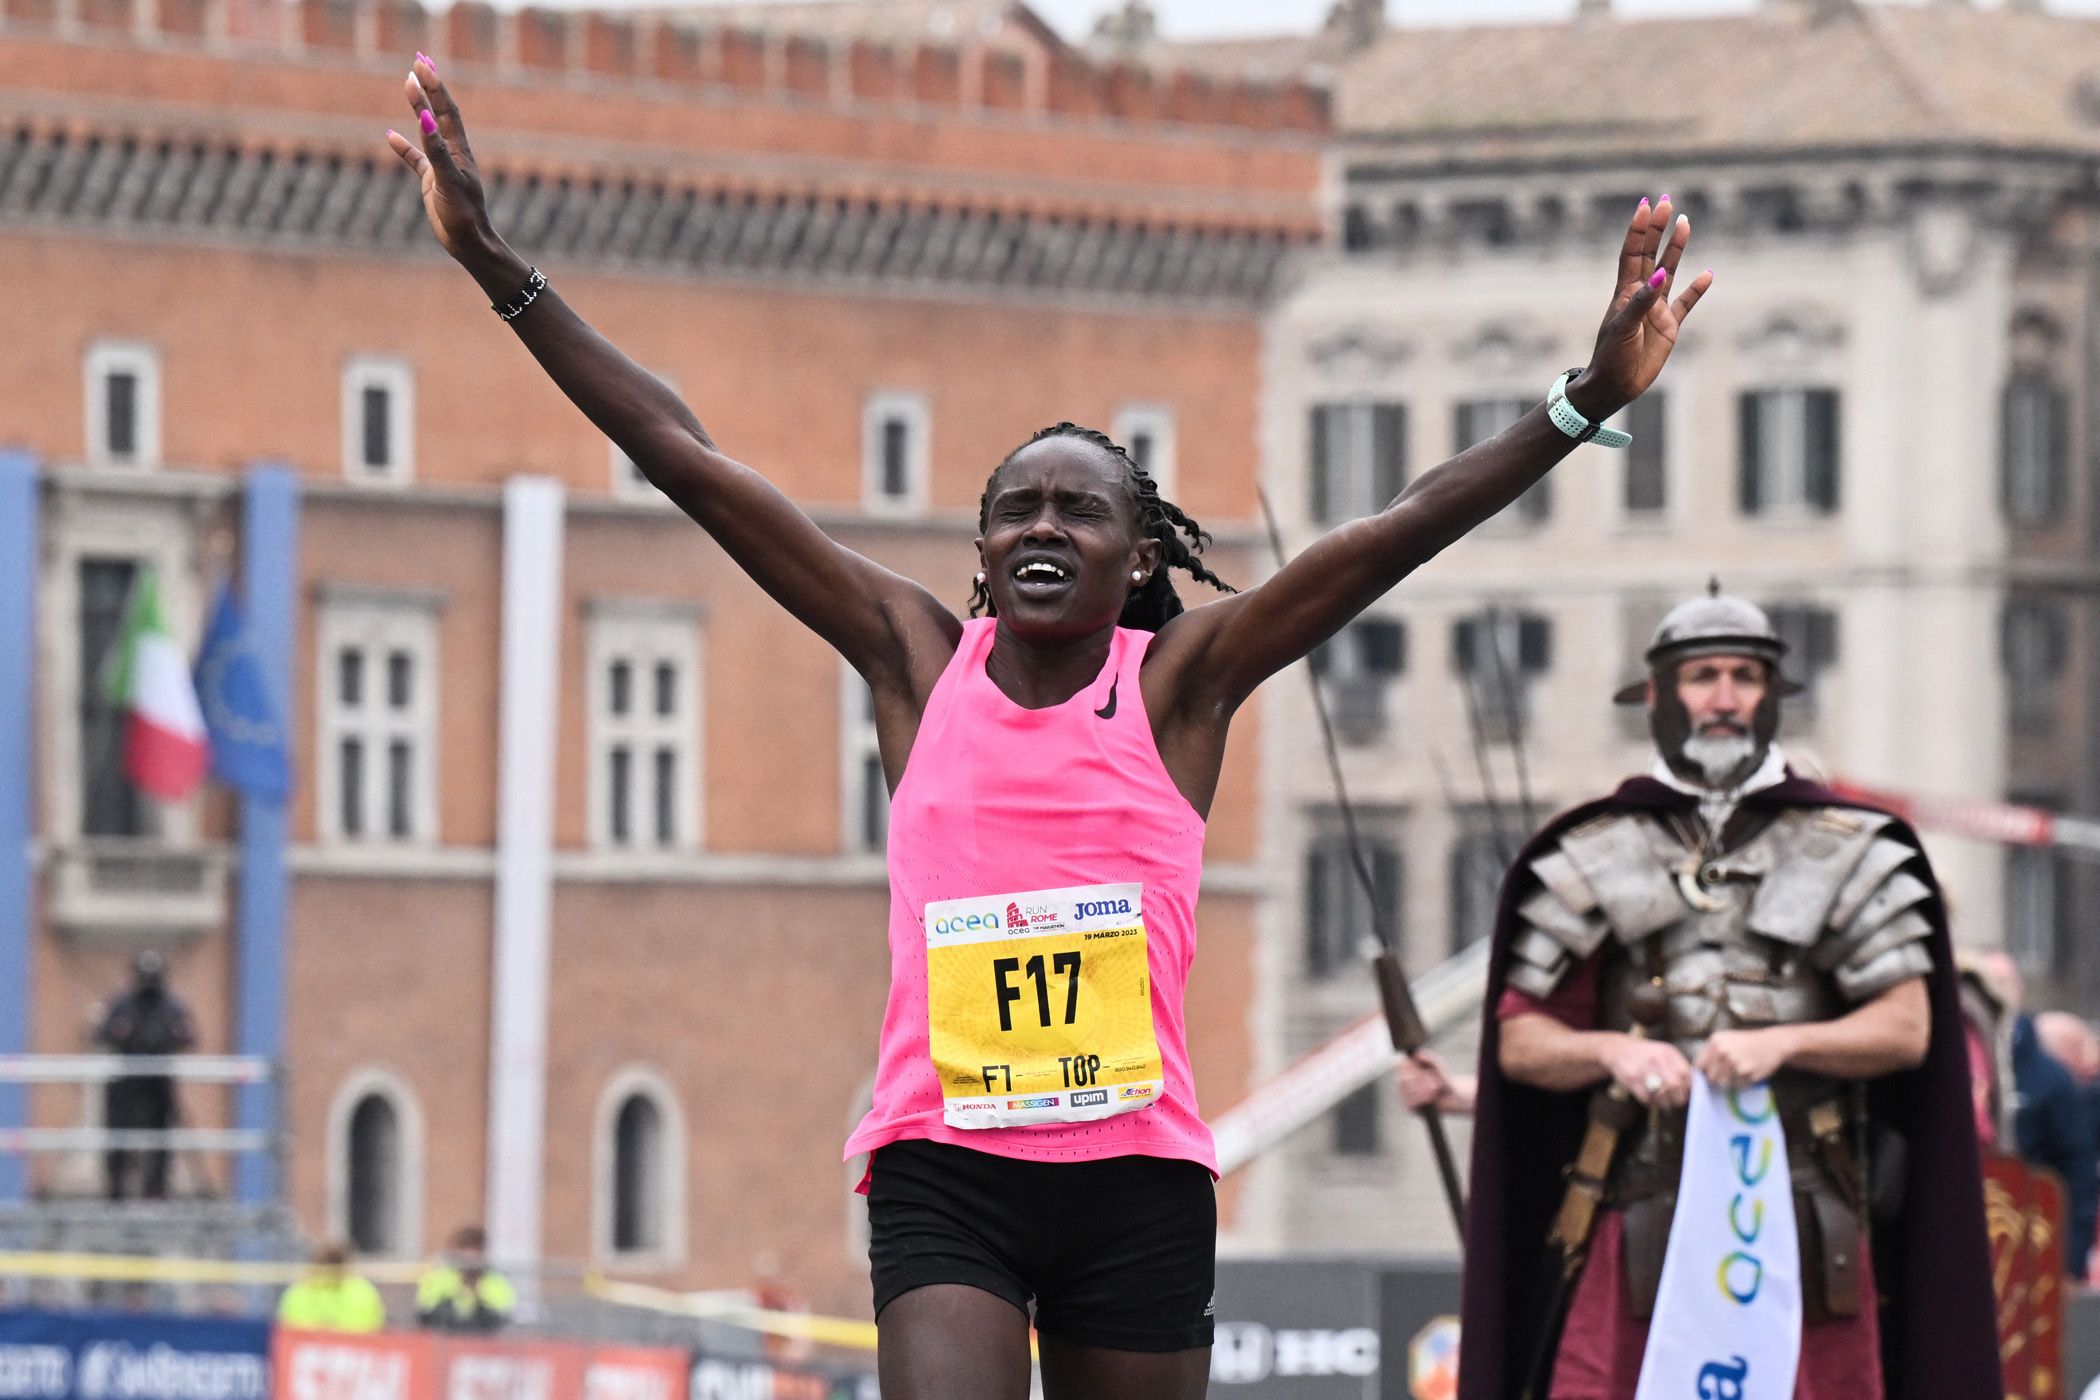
1045, 834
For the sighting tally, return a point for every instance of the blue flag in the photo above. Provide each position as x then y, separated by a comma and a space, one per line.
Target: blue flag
241, 717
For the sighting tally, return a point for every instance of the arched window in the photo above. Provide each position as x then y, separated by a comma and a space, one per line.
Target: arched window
638, 1188
640, 1170
374, 1170
375, 1166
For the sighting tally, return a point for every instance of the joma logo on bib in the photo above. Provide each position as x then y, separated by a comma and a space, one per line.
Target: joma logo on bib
1099, 909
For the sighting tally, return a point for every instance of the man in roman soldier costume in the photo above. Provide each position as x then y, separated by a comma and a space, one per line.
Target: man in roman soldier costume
1723, 914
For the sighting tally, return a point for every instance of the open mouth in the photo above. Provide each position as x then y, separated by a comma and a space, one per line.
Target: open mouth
1039, 577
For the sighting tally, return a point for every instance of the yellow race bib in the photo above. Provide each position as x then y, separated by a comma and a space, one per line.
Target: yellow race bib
1041, 1006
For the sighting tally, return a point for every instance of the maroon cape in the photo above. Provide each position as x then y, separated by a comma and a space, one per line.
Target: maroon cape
1932, 1266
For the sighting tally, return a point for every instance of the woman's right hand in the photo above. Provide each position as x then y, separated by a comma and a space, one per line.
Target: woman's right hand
452, 193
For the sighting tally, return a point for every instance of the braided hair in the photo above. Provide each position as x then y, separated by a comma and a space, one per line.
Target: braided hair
1180, 538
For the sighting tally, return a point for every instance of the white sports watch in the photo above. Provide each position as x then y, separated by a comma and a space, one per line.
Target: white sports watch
1569, 420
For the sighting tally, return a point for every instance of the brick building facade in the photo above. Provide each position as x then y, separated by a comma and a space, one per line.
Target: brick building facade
583, 835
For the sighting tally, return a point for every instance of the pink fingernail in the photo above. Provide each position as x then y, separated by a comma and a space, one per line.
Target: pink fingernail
1662, 275
1664, 200
427, 62
1644, 201
391, 132
430, 125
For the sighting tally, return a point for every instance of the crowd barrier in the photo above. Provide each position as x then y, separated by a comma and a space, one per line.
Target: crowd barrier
48, 1355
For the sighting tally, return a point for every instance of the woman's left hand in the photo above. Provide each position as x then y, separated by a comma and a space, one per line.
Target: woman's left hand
1640, 328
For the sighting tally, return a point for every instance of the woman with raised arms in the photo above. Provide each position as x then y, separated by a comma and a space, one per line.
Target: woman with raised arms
1052, 758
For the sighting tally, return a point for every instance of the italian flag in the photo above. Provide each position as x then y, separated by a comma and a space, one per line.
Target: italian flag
164, 747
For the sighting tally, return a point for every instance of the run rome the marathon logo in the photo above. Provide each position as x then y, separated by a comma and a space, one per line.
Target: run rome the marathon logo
1014, 918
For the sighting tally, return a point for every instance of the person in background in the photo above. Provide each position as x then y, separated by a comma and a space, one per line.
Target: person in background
2053, 1128
1427, 1082
147, 1020
331, 1297
461, 1293
2073, 1044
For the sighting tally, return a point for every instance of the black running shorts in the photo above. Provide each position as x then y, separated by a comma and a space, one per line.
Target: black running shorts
1120, 1252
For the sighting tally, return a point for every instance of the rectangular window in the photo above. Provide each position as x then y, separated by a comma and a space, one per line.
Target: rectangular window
1358, 666
645, 728
2034, 646
1342, 927
2037, 902
123, 404
110, 805
1647, 490
1358, 456
1147, 434
894, 453
864, 795
1811, 636
2035, 435
1499, 653
378, 420
1787, 453
1479, 859
1474, 421
378, 721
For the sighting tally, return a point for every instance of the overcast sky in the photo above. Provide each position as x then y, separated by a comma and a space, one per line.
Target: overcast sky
1192, 18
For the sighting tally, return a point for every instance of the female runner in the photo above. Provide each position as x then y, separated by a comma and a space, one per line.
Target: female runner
1034, 1138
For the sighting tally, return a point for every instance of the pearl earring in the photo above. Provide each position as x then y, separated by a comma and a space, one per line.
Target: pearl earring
1137, 576
980, 577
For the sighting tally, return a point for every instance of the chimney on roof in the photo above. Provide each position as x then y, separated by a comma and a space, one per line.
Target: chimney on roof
1357, 23
1129, 29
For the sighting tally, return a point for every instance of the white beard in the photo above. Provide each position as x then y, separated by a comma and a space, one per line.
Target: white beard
1720, 756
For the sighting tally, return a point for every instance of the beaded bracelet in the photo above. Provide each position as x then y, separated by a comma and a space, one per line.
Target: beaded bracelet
515, 307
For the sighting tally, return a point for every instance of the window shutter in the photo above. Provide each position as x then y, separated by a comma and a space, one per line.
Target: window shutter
1647, 484
1749, 473
1388, 453
1316, 911
1534, 643
1321, 474
1820, 415
1464, 640
2058, 444
1383, 643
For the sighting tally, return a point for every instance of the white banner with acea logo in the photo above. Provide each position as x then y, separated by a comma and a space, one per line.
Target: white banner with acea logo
1040, 1006
1728, 1316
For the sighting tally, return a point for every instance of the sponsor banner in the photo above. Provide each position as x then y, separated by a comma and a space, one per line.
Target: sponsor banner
131, 1356
348, 1366
715, 1378
1728, 1316
333, 1366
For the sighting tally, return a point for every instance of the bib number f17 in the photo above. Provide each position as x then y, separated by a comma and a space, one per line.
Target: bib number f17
1040, 1006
